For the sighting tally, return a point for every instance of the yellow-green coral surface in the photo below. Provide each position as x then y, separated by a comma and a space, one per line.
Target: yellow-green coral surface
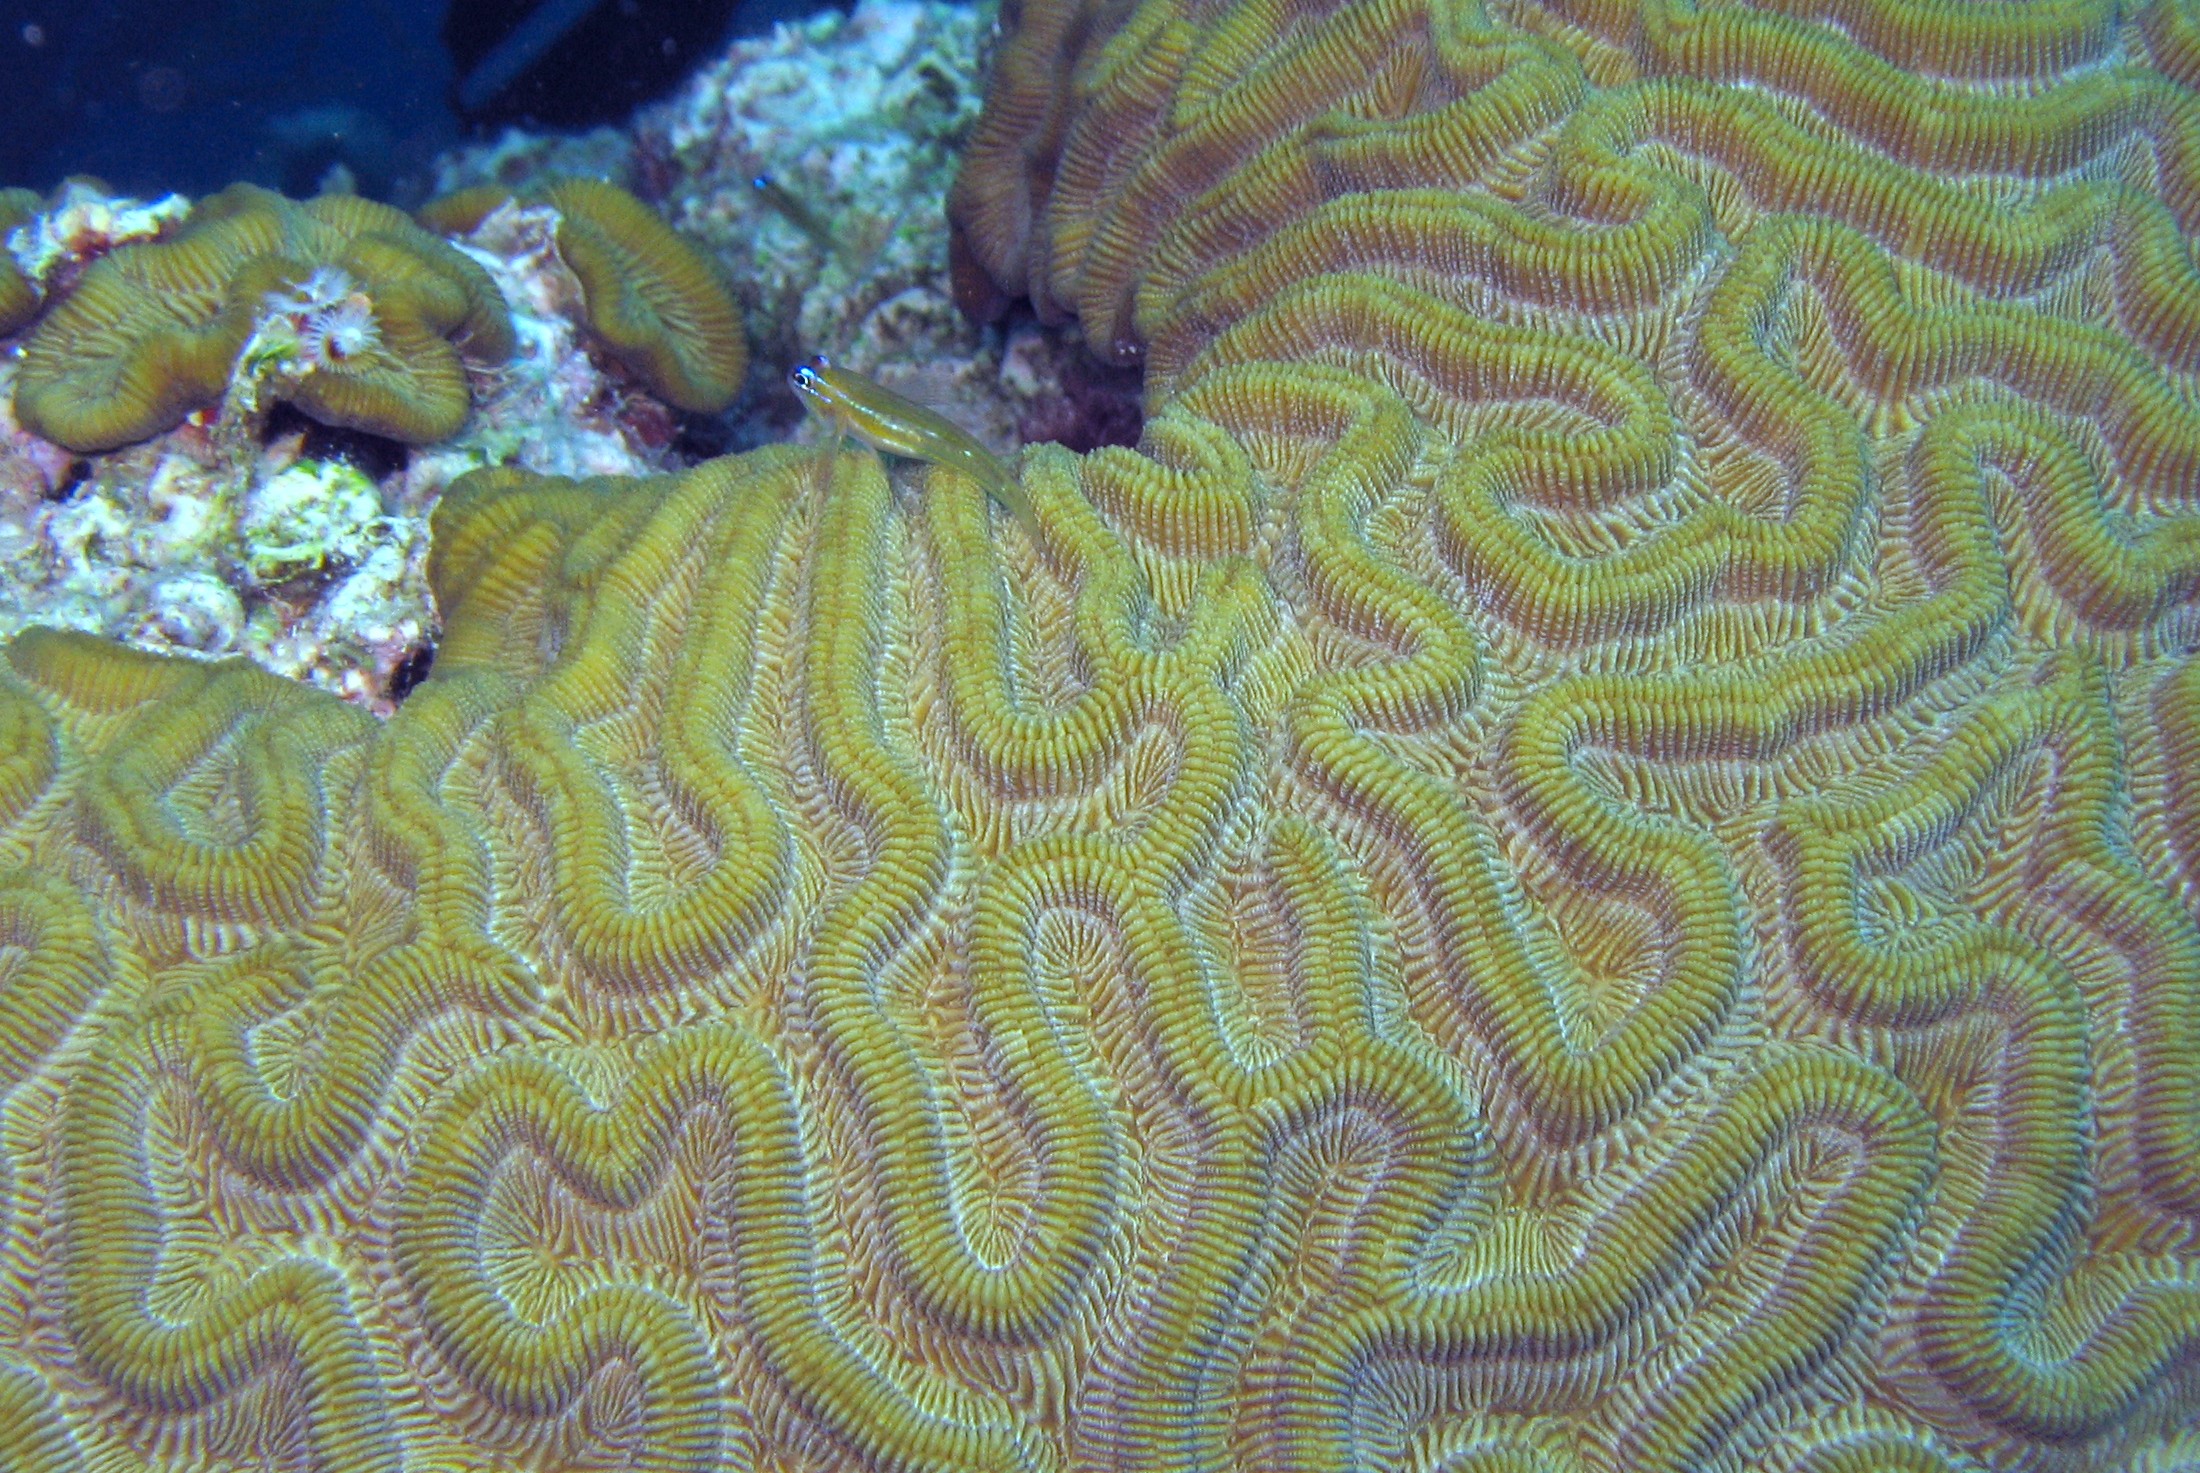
154, 331
1586, 861
654, 302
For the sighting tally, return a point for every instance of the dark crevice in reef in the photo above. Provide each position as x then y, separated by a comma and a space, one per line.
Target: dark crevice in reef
375, 456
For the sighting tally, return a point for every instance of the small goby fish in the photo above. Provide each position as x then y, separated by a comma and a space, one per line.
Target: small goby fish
797, 212
892, 425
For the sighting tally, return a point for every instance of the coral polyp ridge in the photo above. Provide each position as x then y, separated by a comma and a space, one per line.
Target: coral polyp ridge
339, 305
653, 301
1585, 860
240, 302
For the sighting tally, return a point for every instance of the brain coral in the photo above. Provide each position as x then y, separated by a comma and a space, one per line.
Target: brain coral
654, 302
154, 331
1587, 861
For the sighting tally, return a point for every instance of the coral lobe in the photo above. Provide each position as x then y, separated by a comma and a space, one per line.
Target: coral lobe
155, 330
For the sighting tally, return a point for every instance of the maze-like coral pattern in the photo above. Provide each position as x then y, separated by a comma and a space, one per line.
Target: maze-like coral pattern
654, 302
1588, 860
153, 331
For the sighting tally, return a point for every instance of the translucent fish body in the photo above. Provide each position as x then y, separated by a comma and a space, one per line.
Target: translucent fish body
892, 424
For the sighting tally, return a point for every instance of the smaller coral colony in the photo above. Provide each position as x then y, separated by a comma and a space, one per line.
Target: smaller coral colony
234, 376
347, 309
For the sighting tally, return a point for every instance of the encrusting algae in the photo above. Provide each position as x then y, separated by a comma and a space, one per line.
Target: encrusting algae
1585, 861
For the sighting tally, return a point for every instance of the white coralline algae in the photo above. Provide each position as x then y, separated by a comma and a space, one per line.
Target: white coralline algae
549, 408
856, 121
315, 515
81, 223
179, 546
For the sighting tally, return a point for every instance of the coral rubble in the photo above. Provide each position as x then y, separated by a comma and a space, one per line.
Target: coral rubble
855, 123
1587, 859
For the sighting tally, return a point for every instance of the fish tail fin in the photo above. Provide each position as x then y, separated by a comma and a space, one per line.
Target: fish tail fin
1009, 492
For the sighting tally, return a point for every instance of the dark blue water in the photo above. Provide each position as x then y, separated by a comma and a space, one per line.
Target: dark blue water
191, 95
